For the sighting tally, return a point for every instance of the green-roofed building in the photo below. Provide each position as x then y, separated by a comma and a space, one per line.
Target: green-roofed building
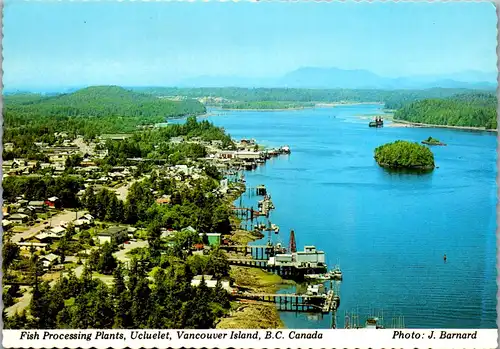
214, 239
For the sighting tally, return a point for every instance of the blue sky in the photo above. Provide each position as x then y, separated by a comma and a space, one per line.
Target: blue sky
161, 43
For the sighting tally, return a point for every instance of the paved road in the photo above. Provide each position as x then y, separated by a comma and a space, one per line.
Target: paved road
65, 216
122, 191
23, 302
84, 148
122, 256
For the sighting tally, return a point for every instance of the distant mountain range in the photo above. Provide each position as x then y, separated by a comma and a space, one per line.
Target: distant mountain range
325, 78
319, 78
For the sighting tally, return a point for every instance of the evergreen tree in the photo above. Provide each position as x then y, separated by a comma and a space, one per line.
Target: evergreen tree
107, 262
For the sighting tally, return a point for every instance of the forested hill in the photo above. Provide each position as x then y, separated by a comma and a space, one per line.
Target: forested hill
393, 99
101, 101
469, 109
90, 111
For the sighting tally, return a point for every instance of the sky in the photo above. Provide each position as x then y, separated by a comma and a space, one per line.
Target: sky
162, 43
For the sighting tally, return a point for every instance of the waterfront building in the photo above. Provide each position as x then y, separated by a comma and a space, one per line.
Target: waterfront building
310, 257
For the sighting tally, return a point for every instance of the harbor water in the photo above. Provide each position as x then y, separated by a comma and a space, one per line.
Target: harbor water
389, 231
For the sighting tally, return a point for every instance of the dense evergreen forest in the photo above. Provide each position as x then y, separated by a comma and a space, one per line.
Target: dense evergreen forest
404, 155
393, 99
91, 111
469, 109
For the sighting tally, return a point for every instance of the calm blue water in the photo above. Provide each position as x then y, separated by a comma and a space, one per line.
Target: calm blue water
388, 231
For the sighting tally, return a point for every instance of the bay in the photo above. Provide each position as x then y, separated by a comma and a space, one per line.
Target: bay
389, 231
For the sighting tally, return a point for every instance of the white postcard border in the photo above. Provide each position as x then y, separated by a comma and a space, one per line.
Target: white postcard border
338, 338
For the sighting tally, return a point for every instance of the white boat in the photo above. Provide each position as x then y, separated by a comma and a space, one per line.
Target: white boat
335, 274
318, 276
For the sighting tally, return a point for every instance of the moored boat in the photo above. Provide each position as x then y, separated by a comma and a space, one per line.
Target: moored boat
378, 122
335, 274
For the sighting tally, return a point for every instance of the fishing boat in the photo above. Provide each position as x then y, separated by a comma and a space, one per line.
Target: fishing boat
335, 274
285, 149
352, 320
378, 122
373, 323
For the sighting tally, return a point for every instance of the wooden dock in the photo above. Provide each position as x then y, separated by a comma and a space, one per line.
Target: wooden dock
324, 304
259, 252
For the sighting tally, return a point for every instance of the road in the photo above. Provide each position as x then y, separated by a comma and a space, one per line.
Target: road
65, 216
84, 148
121, 255
122, 191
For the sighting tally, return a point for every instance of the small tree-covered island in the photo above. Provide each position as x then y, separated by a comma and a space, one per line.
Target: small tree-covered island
405, 155
432, 141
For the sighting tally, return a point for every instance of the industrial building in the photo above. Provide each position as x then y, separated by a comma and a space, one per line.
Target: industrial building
310, 257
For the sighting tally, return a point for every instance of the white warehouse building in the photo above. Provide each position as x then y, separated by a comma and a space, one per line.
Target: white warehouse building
309, 257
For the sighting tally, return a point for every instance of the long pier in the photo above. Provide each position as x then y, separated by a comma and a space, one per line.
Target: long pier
260, 252
324, 304
290, 271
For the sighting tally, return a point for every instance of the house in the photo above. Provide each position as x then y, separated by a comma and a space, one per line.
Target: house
248, 155
53, 202
39, 206
49, 260
47, 237
213, 238
89, 217
184, 169
163, 201
59, 158
38, 246
59, 169
190, 229
22, 203
226, 154
81, 223
104, 237
58, 230
247, 141
19, 218
26, 210
87, 163
6, 224
112, 232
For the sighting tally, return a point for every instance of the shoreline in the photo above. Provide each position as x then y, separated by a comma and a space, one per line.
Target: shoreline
316, 105
404, 123
251, 314
264, 109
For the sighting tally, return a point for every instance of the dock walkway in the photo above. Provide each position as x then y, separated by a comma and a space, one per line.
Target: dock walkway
324, 303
